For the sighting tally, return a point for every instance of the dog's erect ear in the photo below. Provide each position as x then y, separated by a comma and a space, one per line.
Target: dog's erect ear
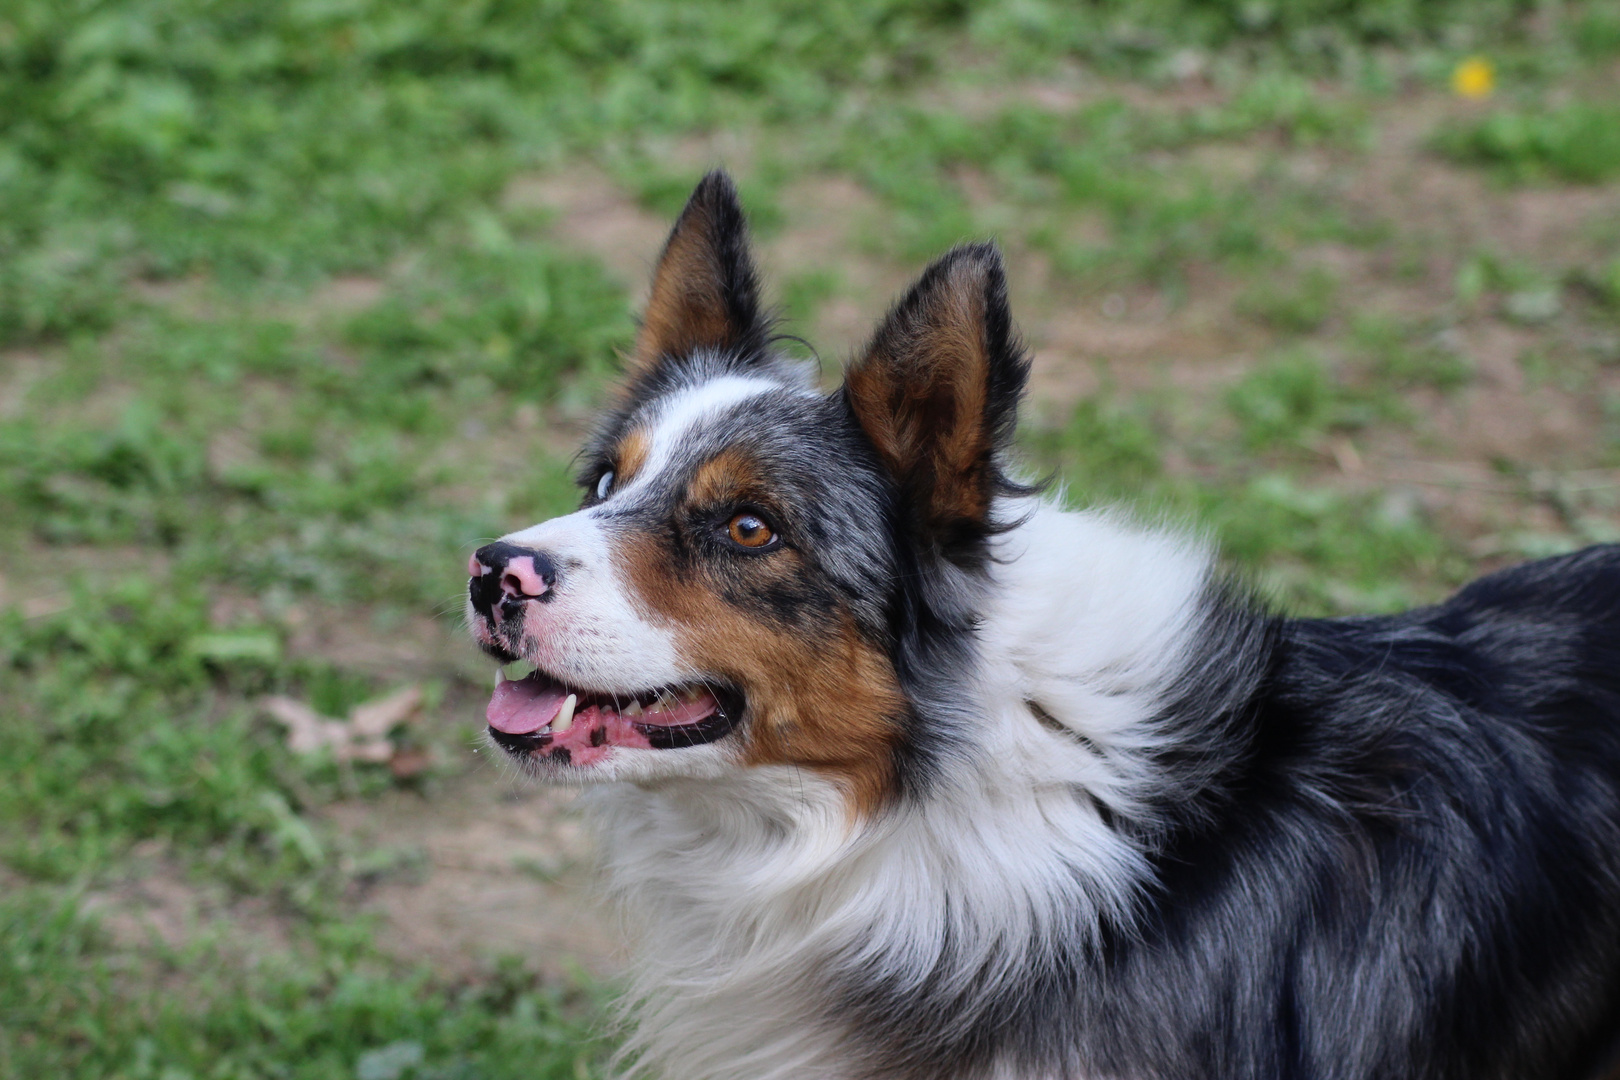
937, 393
704, 294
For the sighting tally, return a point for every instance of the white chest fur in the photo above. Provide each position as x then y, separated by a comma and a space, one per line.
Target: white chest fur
755, 901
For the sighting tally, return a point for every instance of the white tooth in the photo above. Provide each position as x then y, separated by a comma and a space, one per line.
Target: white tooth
633, 709
565, 718
500, 676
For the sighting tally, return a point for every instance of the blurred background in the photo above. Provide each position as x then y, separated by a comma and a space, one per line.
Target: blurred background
300, 301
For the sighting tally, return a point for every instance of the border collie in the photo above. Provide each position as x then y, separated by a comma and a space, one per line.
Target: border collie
901, 771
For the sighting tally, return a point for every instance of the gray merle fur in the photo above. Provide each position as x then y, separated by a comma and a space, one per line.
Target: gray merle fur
1385, 848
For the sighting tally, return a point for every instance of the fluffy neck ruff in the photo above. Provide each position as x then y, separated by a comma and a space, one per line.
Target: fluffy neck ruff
776, 939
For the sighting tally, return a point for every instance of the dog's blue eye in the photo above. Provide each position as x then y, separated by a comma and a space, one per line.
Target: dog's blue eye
604, 485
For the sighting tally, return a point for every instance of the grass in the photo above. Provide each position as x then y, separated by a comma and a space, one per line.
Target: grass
76, 1008
1578, 142
280, 340
1300, 305
127, 723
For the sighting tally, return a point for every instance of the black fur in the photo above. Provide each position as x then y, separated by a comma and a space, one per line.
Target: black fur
714, 206
904, 342
713, 218
1386, 848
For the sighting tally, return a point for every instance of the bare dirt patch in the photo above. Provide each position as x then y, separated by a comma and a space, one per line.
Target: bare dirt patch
490, 867
410, 646
594, 215
156, 904
347, 293
823, 220
20, 369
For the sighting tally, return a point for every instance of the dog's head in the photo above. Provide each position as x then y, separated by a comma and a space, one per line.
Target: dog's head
761, 574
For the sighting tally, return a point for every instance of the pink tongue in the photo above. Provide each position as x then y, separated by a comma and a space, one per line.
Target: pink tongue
525, 705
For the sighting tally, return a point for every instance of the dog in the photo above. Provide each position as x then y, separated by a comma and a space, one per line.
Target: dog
901, 771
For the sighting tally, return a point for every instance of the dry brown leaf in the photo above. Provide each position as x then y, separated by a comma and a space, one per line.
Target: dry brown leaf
307, 730
377, 750
363, 737
377, 718
408, 763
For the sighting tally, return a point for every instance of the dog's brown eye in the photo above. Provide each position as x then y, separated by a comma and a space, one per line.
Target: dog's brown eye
750, 531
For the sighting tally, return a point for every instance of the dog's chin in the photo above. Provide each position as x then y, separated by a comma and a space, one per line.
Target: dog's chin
557, 730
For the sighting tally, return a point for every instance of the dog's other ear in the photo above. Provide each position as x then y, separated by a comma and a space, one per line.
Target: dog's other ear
704, 294
937, 393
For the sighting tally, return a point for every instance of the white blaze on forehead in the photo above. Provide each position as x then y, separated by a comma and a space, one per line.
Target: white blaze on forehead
672, 417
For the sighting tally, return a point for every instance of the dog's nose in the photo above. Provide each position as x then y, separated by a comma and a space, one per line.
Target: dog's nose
506, 573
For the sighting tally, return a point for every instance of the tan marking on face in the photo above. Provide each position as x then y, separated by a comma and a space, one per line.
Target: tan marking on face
823, 698
832, 705
730, 476
920, 395
685, 310
632, 454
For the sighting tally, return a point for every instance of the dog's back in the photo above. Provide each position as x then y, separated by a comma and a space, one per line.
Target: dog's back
1416, 871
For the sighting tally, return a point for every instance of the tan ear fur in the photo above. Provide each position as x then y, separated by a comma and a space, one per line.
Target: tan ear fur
937, 388
704, 292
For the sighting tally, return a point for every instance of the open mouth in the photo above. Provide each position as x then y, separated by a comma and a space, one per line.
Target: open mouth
540, 717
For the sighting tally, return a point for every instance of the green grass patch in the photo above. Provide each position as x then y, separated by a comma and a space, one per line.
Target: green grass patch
1318, 33
1043, 166
1297, 303
1578, 142
76, 1008
1314, 548
1404, 356
127, 717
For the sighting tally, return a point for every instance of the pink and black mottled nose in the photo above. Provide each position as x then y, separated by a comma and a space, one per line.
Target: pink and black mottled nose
505, 575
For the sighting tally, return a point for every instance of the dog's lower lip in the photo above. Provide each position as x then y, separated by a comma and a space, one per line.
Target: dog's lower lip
520, 744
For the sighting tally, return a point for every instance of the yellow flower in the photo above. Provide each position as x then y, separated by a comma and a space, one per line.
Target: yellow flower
1474, 78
